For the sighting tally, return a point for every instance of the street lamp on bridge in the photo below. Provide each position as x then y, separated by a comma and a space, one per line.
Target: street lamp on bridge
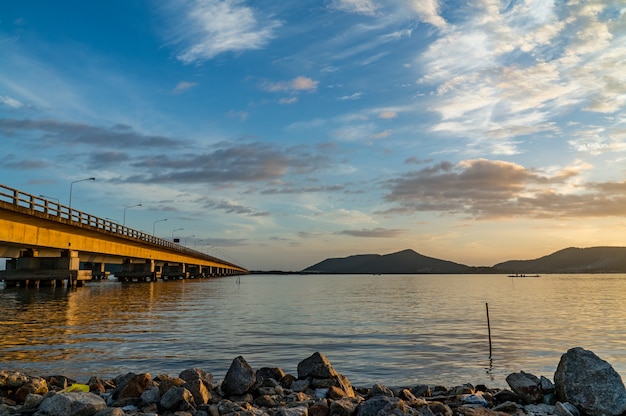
50, 197
125, 208
178, 229
154, 225
189, 236
72, 184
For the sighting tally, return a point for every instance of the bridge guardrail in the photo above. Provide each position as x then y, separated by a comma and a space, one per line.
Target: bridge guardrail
58, 212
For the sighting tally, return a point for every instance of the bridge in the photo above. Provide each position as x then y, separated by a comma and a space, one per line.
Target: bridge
47, 243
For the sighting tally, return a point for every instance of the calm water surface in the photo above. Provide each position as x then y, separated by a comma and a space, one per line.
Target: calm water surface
397, 330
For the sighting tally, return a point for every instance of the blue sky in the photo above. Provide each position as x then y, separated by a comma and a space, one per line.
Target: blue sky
277, 134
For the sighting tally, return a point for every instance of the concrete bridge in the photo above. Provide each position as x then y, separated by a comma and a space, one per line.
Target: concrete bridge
48, 243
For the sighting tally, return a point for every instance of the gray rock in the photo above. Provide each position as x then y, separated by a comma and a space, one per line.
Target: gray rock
421, 390
266, 401
565, 409
539, 409
6, 410
380, 390
151, 395
343, 407
265, 375
385, 404
300, 385
192, 374
589, 383
198, 389
239, 379
12, 379
72, 404
32, 401
316, 366
177, 398
111, 411
546, 385
525, 385
294, 411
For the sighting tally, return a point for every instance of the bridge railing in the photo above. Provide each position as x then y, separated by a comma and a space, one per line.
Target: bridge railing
58, 212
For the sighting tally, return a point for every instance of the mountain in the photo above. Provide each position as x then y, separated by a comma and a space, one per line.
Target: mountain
571, 260
406, 261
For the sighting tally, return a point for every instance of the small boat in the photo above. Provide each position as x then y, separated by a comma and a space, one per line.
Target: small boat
523, 275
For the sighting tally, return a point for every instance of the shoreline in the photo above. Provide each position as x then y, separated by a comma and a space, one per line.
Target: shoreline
317, 390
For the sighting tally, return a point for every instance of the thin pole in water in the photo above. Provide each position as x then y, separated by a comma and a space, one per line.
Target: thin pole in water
488, 328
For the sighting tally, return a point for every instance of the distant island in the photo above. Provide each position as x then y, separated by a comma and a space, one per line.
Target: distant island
569, 260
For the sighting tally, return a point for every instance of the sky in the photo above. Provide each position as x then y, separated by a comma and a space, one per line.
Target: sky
278, 134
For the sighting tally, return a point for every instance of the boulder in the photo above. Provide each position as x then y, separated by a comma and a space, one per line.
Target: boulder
383, 404
72, 404
380, 390
343, 407
265, 374
321, 374
12, 379
525, 385
35, 385
565, 409
177, 398
192, 374
134, 386
151, 395
294, 411
239, 379
201, 395
316, 366
589, 383
111, 411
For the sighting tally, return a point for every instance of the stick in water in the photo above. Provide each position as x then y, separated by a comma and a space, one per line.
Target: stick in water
488, 328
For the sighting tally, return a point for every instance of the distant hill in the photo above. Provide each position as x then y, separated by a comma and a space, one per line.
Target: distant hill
572, 260
569, 260
406, 261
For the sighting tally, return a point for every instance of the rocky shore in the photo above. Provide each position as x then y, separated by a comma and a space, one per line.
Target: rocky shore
583, 385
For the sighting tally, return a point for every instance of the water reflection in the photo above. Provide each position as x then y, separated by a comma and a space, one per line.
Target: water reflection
397, 330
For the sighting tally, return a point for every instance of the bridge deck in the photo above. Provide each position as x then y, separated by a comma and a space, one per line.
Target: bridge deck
28, 222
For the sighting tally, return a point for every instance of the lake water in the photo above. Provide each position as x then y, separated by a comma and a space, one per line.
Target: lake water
398, 330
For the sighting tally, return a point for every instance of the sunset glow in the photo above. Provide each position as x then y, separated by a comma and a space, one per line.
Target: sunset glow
278, 134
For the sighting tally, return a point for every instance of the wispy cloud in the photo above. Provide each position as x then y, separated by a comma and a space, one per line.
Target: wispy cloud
387, 114
351, 97
428, 11
297, 84
184, 86
230, 207
367, 7
204, 29
58, 133
373, 233
10, 102
503, 70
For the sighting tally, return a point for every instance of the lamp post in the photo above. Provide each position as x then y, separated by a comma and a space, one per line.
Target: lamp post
72, 184
125, 208
178, 229
154, 225
50, 197
189, 236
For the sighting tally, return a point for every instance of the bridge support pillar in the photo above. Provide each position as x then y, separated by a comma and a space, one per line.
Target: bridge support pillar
31, 270
175, 271
194, 270
141, 272
97, 270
